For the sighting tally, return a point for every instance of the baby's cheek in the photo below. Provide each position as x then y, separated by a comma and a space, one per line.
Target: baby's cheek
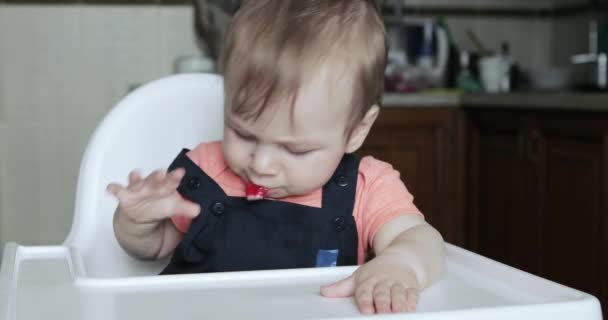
234, 155
308, 177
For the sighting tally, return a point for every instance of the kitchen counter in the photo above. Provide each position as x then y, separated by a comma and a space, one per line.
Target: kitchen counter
557, 101
422, 100
528, 100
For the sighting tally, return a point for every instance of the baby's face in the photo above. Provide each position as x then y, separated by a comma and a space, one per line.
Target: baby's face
291, 155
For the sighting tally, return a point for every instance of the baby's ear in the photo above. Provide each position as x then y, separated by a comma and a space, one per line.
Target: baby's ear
359, 133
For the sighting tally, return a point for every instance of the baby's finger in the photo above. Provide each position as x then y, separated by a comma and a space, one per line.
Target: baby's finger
399, 298
382, 298
186, 208
174, 178
364, 298
413, 295
169, 186
136, 187
156, 179
340, 289
135, 182
115, 189
134, 177
177, 175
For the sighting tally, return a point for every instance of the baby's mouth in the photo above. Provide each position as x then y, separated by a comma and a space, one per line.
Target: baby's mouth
254, 192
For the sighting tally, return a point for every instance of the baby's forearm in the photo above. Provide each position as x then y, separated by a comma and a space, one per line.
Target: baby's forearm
145, 240
422, 249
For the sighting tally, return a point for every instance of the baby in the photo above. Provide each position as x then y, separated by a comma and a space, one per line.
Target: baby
302, 80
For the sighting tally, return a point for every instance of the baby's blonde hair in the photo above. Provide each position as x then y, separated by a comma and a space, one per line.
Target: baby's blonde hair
273, 46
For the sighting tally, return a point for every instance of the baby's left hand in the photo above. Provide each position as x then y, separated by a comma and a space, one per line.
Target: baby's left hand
383, 285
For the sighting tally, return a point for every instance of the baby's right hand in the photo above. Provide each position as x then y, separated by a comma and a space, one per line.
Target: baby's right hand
153, 199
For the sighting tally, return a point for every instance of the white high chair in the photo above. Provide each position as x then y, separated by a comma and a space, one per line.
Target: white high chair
146, 130
90, 277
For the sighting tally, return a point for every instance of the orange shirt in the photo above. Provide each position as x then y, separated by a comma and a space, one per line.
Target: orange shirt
380, 196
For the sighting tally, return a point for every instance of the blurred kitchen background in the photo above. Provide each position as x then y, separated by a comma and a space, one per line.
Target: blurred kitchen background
496, 114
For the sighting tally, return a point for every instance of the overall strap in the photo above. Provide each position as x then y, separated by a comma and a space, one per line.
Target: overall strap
195, 182
339, 192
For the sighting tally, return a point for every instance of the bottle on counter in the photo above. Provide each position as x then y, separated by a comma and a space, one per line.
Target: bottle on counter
465, 80
453, 56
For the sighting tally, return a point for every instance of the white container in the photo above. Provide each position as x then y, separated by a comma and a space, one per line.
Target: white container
494, 72
551, 78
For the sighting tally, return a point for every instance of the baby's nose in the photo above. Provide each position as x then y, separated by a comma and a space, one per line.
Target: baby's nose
264, 162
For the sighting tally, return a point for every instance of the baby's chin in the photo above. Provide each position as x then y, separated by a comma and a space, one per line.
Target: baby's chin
284, 193
277, 194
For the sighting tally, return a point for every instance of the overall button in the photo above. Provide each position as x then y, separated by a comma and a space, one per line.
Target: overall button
338, 224
218, 208
341, 181
194, 183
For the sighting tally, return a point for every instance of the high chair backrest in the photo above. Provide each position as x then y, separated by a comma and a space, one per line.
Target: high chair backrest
144, 131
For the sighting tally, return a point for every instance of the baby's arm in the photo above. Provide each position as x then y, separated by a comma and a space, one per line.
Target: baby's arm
147, 241
142, 223
409, 257
416, 243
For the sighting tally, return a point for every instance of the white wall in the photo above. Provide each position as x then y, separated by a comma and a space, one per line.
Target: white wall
61, 69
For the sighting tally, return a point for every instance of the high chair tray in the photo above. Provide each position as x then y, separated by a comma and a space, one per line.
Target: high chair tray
46, 283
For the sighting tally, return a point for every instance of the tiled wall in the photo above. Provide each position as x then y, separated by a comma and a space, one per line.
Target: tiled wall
61, 69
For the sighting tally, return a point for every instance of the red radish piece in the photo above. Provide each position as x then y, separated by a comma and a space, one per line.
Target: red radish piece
255, 192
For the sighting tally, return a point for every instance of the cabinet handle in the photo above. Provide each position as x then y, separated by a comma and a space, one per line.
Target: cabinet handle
533, 146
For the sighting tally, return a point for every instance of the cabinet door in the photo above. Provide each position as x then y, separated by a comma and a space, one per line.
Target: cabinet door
573, 212
505, 194
500, 177
421, 144
572, 233
539, 187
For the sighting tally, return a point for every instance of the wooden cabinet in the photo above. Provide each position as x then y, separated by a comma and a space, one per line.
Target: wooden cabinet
527, 188
504, 192
539, 193
426, 146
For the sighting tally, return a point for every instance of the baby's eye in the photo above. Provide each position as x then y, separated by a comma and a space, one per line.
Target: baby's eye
298, 152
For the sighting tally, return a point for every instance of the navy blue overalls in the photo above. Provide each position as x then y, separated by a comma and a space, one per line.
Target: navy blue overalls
234, 234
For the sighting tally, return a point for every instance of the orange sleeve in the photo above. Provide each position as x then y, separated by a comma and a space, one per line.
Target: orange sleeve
181, 223
382, 197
